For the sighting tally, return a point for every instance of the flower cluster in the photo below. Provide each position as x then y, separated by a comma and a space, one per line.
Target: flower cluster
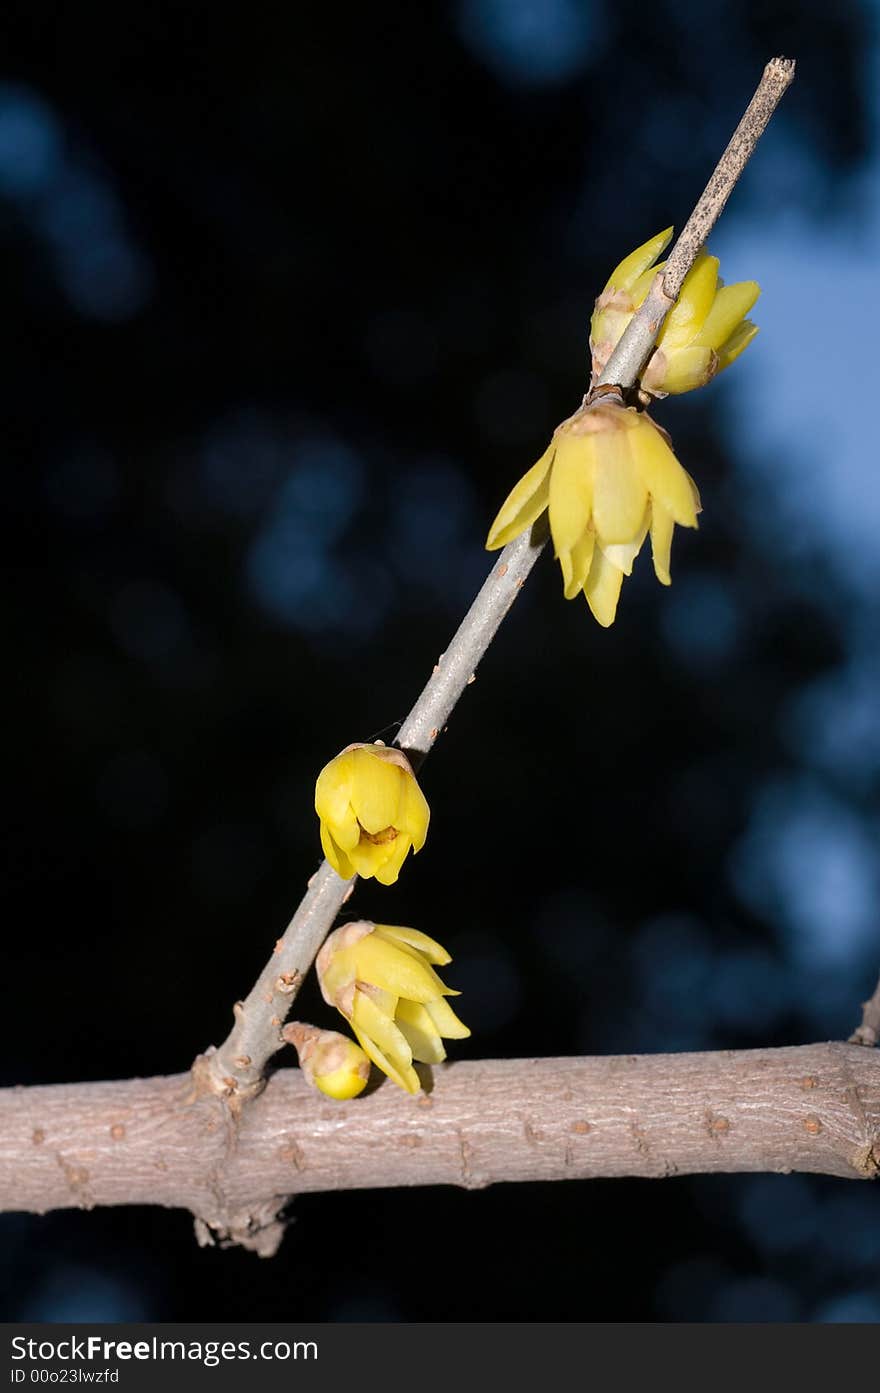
372, 812
703, 333
608, 477
382, 979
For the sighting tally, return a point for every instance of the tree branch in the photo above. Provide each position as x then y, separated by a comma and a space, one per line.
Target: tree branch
631, 353
868, 1033
235, 1069
153, 1141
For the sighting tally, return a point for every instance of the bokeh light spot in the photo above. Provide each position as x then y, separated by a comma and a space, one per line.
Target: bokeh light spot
532, 43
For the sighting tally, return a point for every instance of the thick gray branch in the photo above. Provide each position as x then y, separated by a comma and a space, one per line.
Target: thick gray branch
236, 1068
153, 1141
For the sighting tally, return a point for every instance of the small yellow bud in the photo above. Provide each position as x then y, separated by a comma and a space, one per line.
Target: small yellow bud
703, 333
381, 978
372, 812
608, 477
624, 292
331, 1062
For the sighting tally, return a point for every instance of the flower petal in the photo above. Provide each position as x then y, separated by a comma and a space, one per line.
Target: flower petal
333, 788
433, 951
620, 496
525, 502
564, 559
406, 1078
368, 858
387, 1002
639, 291
623, 554
335, 855
627, 272
602, 589
736, 344
732, 304
422, 1035
336, 972
369, 1018
576, 564
662, 526
446, 1020
688, 368
388, 868
571, 489
664, 477
695, 494
396, 970
377, 790
414, 812
689, 313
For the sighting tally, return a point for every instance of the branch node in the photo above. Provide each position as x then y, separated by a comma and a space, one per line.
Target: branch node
866, 1161
260, 1232
868, 1033
207, 1081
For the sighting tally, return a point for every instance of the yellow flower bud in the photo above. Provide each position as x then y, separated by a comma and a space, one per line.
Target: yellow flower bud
331, 1062
382, 979
608, 477
624, 292
372, 812
703, 333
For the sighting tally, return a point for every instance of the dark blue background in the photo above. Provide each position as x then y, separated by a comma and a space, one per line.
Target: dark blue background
292, 295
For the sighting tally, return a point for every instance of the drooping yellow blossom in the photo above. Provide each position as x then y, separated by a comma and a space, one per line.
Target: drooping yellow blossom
703, 333
372, 812
331, 1062
608, 478
383, 981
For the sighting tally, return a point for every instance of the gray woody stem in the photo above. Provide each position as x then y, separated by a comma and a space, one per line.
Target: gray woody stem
143, 1141
630, 355
236, 1068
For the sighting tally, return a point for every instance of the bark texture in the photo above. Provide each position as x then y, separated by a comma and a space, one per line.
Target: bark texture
162, 1141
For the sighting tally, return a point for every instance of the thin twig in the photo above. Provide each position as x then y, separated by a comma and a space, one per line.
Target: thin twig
868, 1033
628, 358
236, 1068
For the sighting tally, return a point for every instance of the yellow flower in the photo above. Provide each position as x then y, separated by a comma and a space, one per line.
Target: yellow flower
703, 333
371, 810
608, 477
331, 1062
383, 981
